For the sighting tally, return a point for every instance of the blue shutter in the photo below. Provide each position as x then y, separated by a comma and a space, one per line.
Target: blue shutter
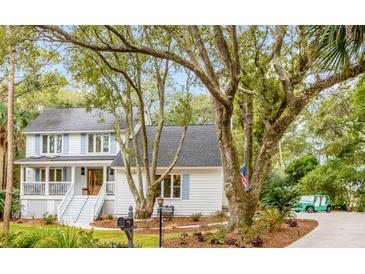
37, 175
65, 143
113, 144
83, 143
64, 174
37, 144
185, 186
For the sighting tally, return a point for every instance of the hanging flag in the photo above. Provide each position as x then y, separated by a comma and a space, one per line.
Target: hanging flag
243, 171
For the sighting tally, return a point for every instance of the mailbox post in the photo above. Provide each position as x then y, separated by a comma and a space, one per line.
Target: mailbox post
127, 225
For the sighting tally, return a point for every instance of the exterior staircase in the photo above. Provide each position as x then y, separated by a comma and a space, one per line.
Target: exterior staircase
79, 211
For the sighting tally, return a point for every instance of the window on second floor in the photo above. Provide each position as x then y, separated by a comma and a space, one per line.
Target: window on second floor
52, 143
98, 143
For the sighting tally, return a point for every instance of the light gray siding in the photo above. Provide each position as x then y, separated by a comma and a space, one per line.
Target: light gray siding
30, 145
205, 193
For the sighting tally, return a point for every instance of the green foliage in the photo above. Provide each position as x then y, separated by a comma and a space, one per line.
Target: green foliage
336, 46
6, 241
54, 238
49, 219
68, 238
15, 203
281, 197
360, 206
271, 218
217, 237
268, 220
196, 217
220, 215
335, 179
298, 168
183, 238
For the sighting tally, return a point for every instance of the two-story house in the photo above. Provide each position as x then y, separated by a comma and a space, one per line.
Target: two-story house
73, 168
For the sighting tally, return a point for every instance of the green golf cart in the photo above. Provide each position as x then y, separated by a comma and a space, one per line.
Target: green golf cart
313, 203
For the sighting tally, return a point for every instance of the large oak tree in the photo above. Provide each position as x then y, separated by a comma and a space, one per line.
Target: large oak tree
272, 71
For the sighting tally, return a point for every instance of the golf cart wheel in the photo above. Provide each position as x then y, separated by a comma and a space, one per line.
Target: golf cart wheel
328, 209
310, 209
297, 211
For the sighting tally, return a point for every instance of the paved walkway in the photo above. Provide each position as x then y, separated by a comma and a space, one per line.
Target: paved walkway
335, 229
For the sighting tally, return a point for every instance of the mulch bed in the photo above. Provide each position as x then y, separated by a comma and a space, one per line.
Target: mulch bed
281, 238
154, 222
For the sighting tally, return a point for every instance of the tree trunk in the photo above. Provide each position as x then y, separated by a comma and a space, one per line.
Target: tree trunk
144, 210
9, 180
239, 201
2, 163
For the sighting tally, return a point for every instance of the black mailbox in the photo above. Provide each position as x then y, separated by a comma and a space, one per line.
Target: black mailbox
168, 211
125, 223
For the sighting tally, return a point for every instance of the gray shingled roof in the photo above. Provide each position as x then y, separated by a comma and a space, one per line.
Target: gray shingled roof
66, 159
200, 147
71, 119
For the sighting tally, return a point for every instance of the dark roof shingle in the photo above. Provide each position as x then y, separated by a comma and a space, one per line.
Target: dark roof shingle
200, 148
71, 119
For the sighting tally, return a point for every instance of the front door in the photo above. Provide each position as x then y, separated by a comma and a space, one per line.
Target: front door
94, 180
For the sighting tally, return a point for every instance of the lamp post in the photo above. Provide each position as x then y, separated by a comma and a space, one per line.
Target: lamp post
160, 204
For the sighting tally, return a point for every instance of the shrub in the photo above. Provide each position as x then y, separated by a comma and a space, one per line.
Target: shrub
199, 236
15, 203
257, 242
196, 217
7, 241
49, 219
69, 238
217, 237
183, 238
31, 238
55, 238
283, 198
272, 218
269, 219
219, 214
292, 223
109, 217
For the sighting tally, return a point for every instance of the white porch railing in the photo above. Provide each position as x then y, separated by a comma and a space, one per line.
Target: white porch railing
110, 188
59, 188
99, 201
43, 188
34, 188
65, 201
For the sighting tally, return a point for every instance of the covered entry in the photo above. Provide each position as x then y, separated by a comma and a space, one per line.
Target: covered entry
94, 180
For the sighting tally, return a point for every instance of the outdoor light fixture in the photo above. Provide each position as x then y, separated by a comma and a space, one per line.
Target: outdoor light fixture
160, 201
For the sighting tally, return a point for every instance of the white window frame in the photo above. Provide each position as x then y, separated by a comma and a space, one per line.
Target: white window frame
101, 144
172, 187
55, 144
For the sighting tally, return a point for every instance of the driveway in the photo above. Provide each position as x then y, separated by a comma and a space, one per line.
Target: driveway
335, 229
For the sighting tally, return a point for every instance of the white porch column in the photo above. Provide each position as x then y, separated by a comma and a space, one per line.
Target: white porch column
104, 174
73, 175
21, 180
46, 189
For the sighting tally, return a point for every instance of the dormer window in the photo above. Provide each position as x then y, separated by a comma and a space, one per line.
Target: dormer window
52, 144
98, 143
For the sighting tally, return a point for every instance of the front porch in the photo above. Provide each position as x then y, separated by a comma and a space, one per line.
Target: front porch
56, 180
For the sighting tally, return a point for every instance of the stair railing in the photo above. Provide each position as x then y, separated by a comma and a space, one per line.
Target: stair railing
65, 201
99, 201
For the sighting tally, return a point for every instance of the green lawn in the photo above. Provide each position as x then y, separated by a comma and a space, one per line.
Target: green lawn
144, 240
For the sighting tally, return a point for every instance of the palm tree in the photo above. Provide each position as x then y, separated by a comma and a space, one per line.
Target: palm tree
10, 129
337, 47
